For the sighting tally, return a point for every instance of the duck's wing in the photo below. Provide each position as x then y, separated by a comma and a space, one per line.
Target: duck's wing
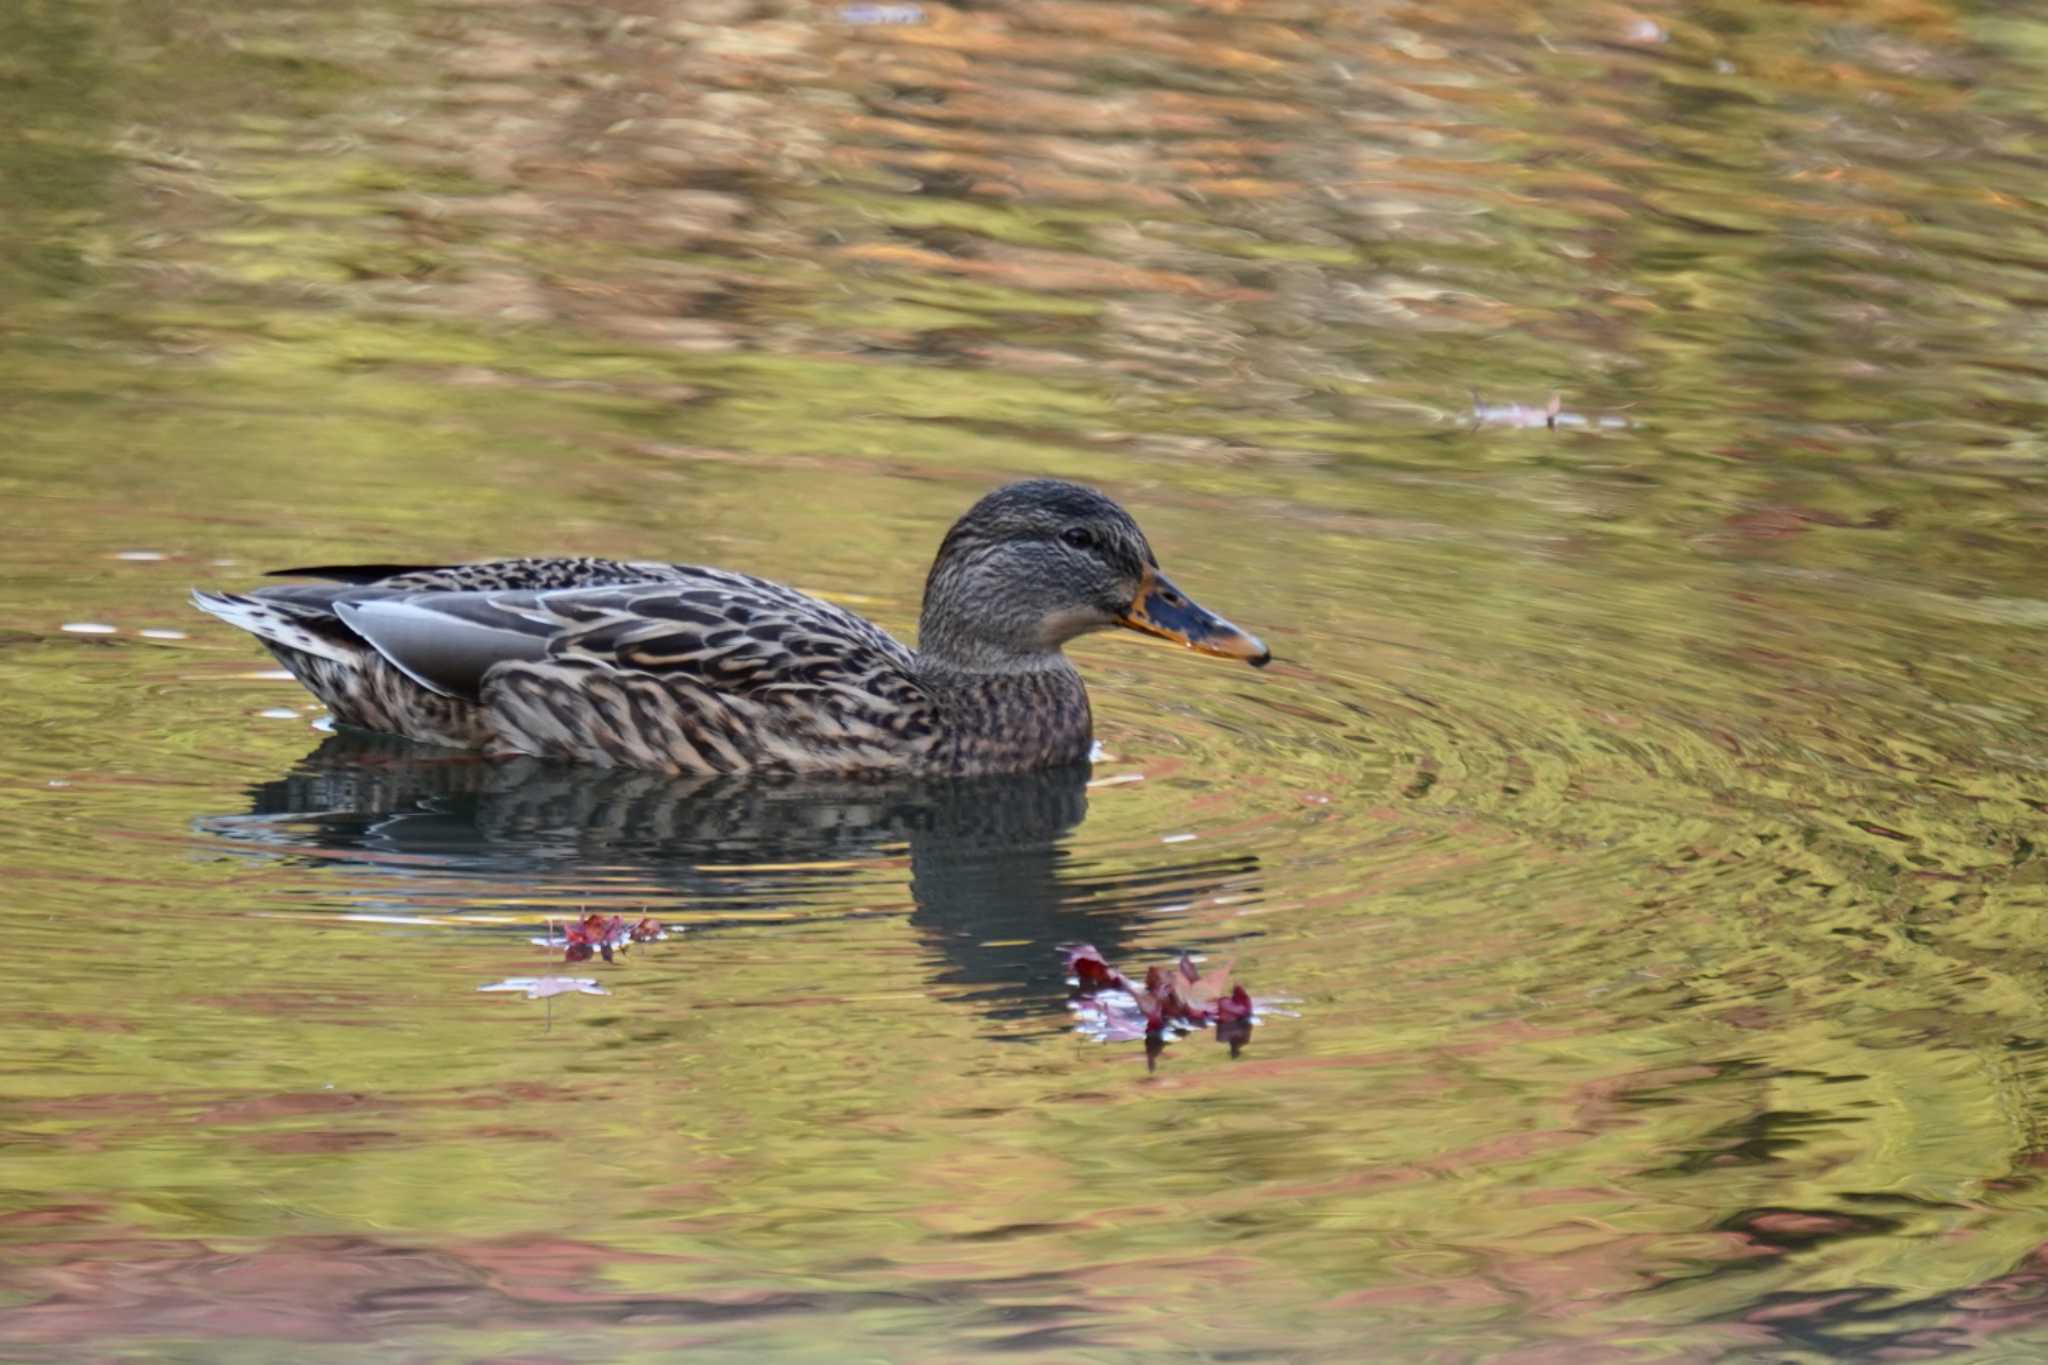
308, 619
710, 672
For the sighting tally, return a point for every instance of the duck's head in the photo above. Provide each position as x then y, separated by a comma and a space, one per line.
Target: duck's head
1035, 564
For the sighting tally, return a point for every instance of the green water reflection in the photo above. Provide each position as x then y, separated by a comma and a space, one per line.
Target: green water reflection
1642, 817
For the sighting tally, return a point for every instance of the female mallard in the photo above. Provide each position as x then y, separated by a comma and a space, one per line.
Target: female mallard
692, 670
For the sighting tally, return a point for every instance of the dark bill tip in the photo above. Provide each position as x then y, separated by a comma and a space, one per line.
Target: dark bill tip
1164, 610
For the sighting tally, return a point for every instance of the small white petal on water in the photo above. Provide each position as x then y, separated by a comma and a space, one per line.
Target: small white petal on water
540, 987
142, 556
161, 633
1178, 838
90, 628
881, 14
278, 713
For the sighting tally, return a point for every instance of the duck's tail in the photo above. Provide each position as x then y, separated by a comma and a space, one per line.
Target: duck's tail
303, 629
299, 619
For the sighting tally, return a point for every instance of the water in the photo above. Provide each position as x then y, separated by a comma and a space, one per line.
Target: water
1641, 823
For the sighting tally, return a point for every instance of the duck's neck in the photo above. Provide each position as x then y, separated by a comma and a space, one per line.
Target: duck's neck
1011, 718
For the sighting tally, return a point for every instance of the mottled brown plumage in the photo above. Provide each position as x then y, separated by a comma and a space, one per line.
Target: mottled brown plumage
695, 670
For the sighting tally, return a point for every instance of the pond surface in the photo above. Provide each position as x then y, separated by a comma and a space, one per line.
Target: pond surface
1625, 423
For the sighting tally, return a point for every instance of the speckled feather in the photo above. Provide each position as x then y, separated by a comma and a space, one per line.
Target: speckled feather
503, 575
672, 668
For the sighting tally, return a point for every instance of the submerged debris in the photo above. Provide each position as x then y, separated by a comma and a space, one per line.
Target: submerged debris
580, 940
601, 934
1172, 1002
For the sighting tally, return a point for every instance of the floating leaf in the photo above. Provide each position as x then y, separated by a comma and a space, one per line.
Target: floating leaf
547, 988
1088, 969
1234, 1020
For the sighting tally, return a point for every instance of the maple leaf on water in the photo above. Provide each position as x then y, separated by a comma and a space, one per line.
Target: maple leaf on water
1089, 971
1234, 1019
1160, 999
597, 932
1201, 992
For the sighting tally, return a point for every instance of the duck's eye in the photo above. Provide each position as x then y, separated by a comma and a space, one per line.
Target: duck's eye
1080, 537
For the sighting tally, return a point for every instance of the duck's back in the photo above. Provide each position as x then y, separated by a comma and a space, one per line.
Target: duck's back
644, 664
530, 574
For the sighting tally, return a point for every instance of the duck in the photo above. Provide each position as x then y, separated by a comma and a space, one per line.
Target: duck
703, 671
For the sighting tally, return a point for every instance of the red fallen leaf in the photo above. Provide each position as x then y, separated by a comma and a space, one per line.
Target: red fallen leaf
595, 932
646, 931
1234, 1019
603, 933
1088, 969
1161, 1001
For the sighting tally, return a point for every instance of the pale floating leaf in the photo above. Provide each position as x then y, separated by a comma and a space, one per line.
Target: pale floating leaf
541, 987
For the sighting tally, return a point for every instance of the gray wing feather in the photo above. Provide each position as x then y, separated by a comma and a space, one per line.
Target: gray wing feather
446, 642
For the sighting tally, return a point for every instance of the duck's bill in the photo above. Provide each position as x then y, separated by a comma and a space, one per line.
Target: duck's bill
1164, 610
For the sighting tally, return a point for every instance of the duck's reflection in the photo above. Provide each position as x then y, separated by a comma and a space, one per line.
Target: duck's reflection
992, 885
